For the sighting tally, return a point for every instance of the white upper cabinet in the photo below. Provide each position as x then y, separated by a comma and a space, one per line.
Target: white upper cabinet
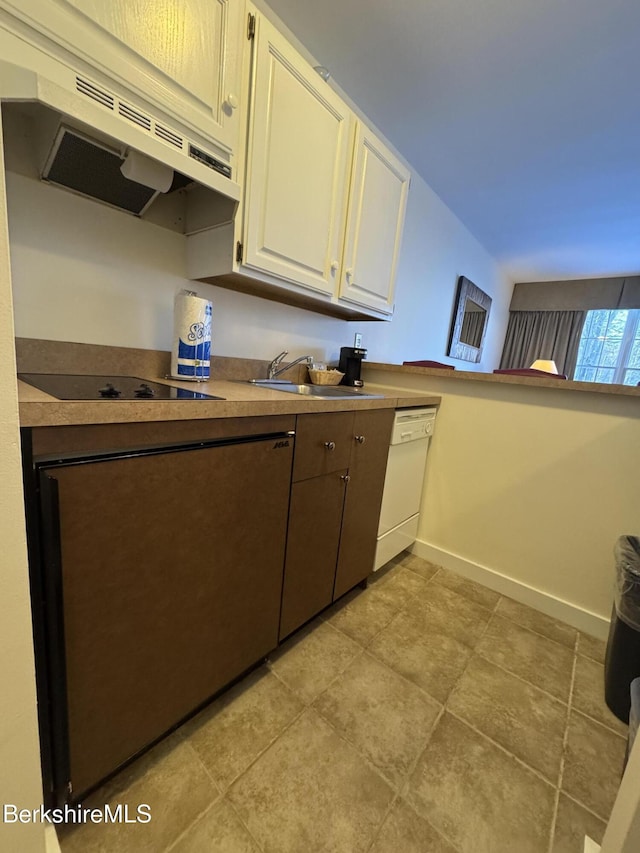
297, 168
182, 56
377, 202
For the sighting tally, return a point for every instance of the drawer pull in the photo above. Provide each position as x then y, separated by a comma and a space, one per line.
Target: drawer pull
345, 477
330, 445
360, 439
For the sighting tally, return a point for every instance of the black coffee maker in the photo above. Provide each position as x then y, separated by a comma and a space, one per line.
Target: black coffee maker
351, 365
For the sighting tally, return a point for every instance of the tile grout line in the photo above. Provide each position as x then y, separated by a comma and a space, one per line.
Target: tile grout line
399, 674
233, 808
538, 634
366, 650
598, 723
585, 807
482, 734
493, 612
402, 787
354, 746
308, 704
185, 740
222, 793
468, 663
372, 638
250, 765
397, 789
522, 679
173, 843
433, 580
406, 608
565, 739
502, 748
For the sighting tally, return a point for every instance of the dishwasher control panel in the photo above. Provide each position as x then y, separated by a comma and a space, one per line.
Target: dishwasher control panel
413, 425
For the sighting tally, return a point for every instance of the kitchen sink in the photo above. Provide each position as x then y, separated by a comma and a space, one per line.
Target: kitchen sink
334, 392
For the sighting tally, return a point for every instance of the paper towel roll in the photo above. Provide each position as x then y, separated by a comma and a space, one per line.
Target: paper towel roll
191, 355
143, 170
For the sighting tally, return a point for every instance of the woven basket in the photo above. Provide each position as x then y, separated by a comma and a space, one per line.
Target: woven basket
325, 377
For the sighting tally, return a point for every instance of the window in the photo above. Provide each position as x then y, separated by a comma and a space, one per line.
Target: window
610, 347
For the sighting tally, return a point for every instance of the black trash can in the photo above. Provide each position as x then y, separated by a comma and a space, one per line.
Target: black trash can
622, 663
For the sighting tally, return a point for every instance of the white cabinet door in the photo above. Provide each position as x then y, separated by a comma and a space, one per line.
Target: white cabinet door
375, 219
297, 170
181, 55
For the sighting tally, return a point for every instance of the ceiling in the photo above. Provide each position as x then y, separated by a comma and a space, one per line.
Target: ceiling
523, 115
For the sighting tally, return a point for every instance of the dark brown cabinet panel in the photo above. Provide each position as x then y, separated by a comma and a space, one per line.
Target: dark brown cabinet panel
323, 444
333, 519
170, 566
367, 468
315, 520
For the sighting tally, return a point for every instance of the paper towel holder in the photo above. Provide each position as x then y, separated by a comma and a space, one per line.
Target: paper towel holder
146, 171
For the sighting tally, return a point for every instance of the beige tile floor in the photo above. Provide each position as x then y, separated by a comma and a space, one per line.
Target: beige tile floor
426, 714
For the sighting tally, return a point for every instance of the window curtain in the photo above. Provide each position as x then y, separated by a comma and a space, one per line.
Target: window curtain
472, 327
551, 335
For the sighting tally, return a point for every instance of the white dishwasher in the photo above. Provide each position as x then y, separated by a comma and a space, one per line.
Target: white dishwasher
403, 482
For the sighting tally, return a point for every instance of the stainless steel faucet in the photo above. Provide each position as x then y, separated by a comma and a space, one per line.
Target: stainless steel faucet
274, 368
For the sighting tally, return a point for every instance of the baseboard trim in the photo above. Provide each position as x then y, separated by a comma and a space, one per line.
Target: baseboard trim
583, 620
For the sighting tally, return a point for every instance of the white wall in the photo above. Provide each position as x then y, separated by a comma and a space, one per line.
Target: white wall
529, 488
436, 249
20, 782
83, 272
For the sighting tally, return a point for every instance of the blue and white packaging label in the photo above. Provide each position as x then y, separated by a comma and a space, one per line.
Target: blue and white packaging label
191, 355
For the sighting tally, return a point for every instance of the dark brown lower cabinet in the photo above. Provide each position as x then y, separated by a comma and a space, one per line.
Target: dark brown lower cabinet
333, 519
159, 574
315, 521
165, 568
367, 469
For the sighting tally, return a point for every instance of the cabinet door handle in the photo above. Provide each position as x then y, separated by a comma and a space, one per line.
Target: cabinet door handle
345, 477
330, 445
349, 273
232, 101
360, 439
334, 266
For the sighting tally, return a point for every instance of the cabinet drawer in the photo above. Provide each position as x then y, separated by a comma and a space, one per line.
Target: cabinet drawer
323, 444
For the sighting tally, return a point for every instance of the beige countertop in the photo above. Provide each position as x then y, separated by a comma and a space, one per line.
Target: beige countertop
241, 400
504, 379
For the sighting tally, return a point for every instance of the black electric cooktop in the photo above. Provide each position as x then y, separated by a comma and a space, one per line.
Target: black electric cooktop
67, 386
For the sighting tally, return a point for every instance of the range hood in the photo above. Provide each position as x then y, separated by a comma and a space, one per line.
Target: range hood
95, 143
85, 165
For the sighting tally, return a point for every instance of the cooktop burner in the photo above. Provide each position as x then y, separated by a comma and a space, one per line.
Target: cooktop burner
67, 386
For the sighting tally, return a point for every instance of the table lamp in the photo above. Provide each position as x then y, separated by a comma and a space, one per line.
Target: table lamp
547, 366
